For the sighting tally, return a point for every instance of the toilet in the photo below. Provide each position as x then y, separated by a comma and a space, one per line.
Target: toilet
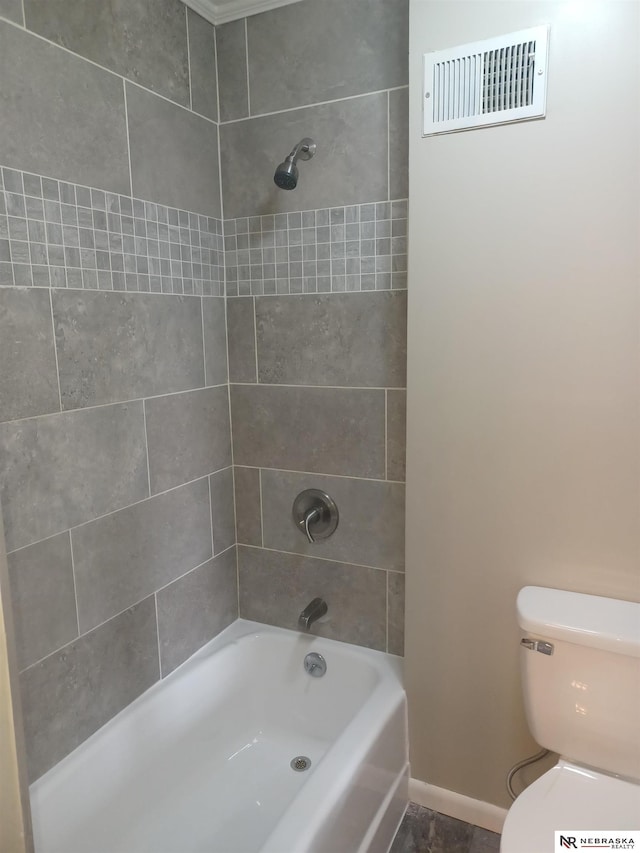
580, 666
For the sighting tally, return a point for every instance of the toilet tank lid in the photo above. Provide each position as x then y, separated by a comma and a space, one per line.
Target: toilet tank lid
588, 620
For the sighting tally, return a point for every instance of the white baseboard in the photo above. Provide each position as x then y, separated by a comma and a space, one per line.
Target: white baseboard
457, 805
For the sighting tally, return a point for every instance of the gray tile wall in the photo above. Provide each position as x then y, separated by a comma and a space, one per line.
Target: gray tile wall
358, 247
108, 96
316, 308
115, 485
60, 234
115, 448
121, 501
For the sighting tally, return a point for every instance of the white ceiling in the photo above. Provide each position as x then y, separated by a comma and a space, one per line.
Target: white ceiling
221, 11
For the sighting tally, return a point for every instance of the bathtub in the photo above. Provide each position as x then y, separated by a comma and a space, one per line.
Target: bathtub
201, 761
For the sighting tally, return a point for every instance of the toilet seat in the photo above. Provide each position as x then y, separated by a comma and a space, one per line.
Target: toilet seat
569, 797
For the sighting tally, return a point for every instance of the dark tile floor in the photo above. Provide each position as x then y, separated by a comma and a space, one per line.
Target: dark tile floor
425, 831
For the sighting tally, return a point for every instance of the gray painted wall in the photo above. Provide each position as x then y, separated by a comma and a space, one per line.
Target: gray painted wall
116, 441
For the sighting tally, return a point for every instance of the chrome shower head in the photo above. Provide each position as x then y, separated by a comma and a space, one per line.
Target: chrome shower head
286, 176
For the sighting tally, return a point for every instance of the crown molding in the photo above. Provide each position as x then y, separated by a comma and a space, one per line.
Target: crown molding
223, 11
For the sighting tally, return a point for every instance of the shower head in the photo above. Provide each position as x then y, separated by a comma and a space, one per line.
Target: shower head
286, 176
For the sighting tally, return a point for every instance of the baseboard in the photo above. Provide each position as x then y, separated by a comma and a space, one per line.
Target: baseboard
457, 805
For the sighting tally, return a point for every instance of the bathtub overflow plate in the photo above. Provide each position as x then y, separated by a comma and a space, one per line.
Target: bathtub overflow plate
300, 763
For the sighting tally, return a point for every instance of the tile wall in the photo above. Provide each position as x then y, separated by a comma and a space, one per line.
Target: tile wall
115, 447
119, 428
316, 307
357, 247
58, 234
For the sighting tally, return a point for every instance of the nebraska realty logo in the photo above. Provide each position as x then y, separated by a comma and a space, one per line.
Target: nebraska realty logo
579, 839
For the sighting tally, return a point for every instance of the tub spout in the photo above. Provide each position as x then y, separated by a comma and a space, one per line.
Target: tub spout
313, 611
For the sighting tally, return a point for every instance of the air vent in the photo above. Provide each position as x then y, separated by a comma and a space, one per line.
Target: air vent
495, 81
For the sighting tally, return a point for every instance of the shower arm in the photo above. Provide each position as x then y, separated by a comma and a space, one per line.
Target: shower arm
304, 150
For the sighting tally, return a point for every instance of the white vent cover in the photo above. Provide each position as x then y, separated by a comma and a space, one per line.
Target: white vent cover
495, 81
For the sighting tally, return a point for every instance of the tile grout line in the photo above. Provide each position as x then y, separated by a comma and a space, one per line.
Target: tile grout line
146, 443
215, 61
213, 548
261, 508
314, 104
55, 354
204, 342
325, 559
386, 434
381, 480
186, 22
255, 339
246, 53
386, 613
155, 601
73, 575
388, 145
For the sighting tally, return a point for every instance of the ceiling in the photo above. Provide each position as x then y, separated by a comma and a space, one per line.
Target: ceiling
221, 11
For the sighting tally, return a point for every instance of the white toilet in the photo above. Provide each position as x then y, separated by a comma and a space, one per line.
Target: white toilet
580, 663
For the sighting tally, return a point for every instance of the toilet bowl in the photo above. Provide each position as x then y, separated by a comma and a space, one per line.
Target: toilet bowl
580, 665
569, 797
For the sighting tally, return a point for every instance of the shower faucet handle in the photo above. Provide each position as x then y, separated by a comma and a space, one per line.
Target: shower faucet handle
312, 514
315, 514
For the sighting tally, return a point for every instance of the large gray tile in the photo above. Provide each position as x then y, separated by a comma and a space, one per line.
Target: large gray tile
215, 340
311, 52
223, 518
28, 378
371, 526
50, 106
195, 608
396, 434
275, 588
144, 40
43, 597
232, 70
399, 144
326, 430
425, 831
125, 556
174, 154
484, 841
242, 339
61, 470
350, 165
71, 694
202, 61
11, 9
123, 346
395, 613
188, 436
248, 509
353, 339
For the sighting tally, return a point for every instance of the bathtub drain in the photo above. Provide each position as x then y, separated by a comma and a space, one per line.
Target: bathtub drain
300, 763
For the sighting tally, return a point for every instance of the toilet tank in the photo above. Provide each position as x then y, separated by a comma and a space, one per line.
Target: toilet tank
580, 665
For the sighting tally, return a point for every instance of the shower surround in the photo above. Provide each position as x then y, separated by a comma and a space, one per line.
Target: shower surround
137, 444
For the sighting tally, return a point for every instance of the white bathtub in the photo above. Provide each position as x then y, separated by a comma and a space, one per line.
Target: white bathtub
201, 761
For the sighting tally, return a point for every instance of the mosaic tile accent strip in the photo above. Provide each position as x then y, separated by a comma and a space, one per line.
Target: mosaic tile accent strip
55, 234
360, 247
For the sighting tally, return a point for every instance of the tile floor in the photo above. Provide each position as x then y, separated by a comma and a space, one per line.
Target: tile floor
426, 831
